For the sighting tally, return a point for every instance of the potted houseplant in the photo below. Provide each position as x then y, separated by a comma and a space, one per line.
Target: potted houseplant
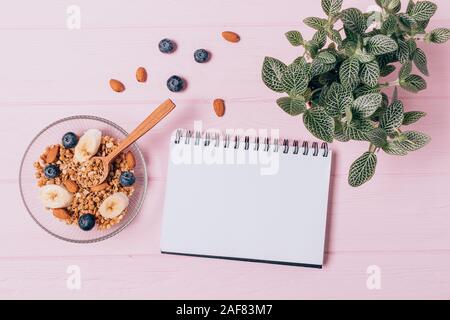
337, 85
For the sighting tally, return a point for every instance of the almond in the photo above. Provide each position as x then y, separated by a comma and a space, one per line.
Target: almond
61, 214
52, 154
219, 107
231, 36
131, 161
71, 186
141, 74
116, 85
100, 187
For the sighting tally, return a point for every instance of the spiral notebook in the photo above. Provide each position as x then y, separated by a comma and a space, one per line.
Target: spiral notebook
246, 198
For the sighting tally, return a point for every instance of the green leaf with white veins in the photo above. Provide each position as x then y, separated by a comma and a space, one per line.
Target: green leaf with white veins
394, 6
294, 80
413, 140
392, 118
364, 57
349, 73
337, 99
411, 4
370, 73
412, 117
387, 70
354, 20
272, 72
320, 39
294, 37
413, 83
389, 25
420, 60
292, 106
300, 61
364, 90
402, 53
366, 105
423, 10
412, 47
326, 57
319, 123
332, 7
362, 170
378, 137
441, 35
336, 37
315, 23
381, 44
358, 129
383, 3
405, 71
394, 149
318, 67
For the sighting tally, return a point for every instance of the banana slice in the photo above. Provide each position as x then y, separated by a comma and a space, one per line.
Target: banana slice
55, 197
114, 205
88, 145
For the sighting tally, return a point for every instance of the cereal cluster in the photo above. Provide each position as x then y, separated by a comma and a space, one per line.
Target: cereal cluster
81, 181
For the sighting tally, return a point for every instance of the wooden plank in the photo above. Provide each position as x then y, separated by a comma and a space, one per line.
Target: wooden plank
22, 14
262, 118
57, 66
380, 217
398, 222
422, 275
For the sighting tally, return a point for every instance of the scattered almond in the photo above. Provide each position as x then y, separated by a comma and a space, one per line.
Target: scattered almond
219, 107
100, 187
116, 85
61, 214
141, 74
52, 154
231, 36
71, 186
131, 161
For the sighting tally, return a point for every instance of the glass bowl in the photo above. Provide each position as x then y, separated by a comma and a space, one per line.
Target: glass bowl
29, 190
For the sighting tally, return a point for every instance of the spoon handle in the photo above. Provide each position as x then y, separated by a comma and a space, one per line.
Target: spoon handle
153, 119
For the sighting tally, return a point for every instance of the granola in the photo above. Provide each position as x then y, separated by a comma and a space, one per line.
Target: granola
80, 179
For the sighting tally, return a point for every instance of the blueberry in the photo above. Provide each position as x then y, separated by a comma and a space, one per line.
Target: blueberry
127, 179
175, 84
69, 140
166, 46
201, 55
86, 221
52, 171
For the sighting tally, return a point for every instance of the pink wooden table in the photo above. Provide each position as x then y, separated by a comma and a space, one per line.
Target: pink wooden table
400, 222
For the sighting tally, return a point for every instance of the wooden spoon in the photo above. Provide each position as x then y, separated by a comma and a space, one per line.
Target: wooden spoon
154, 118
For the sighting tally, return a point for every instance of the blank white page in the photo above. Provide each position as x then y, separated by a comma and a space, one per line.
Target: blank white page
235, 211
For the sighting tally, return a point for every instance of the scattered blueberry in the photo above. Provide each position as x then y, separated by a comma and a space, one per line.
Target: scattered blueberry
166, 46
52, 171
201, 55
69, 140
86, 221
175, 84
127, 179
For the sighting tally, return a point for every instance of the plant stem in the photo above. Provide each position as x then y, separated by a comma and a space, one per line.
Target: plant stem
316, 90
417, 37
372, 148
391, 84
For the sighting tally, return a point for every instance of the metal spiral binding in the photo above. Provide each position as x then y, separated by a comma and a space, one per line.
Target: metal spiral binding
227, 143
